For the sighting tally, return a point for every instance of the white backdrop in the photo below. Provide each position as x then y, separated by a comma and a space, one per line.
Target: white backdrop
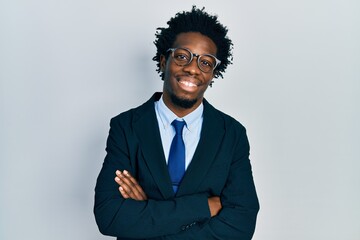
67, 67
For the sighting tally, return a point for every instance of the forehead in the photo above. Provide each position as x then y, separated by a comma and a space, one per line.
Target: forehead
195, 42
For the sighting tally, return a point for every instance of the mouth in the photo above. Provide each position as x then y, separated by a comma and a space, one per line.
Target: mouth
188, 83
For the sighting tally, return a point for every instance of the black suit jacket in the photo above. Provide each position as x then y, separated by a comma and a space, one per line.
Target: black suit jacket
220, 167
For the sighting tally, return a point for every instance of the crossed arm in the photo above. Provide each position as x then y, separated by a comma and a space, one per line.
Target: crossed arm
130, 189
130, 213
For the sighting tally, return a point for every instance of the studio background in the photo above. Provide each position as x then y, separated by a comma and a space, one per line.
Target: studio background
67, 67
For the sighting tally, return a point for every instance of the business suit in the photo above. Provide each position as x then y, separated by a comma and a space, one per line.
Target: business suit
220, 167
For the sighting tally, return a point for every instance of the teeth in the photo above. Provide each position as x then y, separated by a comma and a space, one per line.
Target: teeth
188, 84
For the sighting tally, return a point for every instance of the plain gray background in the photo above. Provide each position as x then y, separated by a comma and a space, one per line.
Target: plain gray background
67, 67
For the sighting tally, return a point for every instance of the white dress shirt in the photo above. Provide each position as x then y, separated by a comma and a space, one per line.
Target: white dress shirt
191, 131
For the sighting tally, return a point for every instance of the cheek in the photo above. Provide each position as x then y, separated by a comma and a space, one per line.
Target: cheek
167, 69
208, 80
167, 74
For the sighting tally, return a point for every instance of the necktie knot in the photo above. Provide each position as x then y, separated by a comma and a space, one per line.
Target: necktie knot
178, 125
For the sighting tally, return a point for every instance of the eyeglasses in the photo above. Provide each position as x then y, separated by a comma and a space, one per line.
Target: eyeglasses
183, 57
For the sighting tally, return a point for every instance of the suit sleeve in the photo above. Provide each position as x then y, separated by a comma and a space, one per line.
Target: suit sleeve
130, 219
237, 218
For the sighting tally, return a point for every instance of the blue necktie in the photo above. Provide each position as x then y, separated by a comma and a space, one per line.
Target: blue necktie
176, 161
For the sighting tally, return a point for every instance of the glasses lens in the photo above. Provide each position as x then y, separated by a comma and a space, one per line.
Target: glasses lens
182, 56
207, 63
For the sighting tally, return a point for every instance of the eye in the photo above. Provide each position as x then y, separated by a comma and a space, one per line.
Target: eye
206, 63
181, 57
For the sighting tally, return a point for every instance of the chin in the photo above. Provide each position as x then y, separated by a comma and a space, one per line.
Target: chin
182, 102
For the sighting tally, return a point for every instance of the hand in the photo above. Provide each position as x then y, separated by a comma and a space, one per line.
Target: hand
214, 205
129, 187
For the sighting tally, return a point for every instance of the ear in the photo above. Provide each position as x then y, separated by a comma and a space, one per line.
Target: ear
162, 63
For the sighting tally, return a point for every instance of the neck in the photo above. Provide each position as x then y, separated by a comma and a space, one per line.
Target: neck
181, 112
178, 110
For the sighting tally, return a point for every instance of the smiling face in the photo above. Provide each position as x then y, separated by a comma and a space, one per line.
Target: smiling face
184, 86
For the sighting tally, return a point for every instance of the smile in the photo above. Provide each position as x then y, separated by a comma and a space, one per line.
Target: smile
187, 83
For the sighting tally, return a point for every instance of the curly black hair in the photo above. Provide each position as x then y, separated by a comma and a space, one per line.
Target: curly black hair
196, 20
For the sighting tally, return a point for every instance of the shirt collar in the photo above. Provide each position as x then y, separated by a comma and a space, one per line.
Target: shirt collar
167, 116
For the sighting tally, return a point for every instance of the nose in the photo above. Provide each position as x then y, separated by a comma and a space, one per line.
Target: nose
192, 67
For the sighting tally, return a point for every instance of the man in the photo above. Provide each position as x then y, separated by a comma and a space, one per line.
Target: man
177, 168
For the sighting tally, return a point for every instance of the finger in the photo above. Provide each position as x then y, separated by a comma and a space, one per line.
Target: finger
123, 193
117, 178
122, 179
121, 189
130, 188
124, 189
135, 184
118, 173
118, 181
131, 178
130, 191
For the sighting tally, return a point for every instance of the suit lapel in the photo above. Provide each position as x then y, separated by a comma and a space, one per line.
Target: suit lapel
146, 128
211, 137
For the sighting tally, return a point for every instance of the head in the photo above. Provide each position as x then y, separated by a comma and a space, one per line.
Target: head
202, 34
196, 20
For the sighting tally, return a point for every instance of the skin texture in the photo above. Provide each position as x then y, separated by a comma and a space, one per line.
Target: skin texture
129, 187
178, 78
184, 83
